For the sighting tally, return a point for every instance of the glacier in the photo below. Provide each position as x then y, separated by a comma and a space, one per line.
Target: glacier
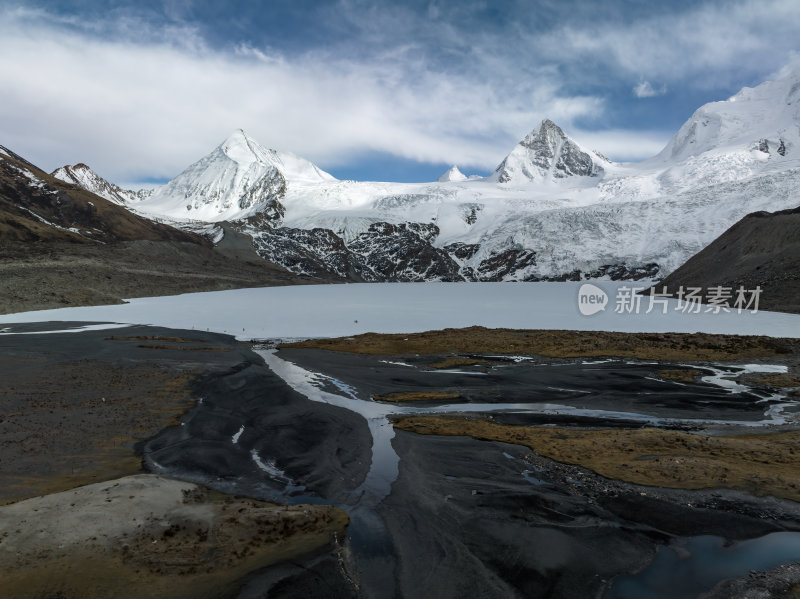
552, 210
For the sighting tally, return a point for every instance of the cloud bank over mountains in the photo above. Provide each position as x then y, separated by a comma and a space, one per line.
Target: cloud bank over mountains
136, 92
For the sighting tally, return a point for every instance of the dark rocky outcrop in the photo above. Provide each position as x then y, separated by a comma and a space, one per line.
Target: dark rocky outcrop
761, 250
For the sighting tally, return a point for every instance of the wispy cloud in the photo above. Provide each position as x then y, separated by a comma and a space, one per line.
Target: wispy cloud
645, 89
707, 45
135, 96
150, 103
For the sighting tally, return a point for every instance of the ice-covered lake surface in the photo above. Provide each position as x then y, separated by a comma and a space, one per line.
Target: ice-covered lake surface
340, 310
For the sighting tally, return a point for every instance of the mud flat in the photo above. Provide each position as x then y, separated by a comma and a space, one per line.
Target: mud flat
82, 519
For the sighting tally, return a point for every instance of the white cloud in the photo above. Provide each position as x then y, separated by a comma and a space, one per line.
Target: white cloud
706, 46
644, 89
137, 99
622, 145
148, 108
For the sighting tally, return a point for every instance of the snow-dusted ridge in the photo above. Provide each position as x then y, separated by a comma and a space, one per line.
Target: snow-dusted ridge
83, 176
552, 210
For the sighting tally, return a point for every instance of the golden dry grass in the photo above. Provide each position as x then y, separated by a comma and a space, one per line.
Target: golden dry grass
680, 375
91, 439
200, 554
761, 464
562, 344
416, 396
454, 362
779, 380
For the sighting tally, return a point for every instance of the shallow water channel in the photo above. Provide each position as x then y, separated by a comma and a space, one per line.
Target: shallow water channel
684, 569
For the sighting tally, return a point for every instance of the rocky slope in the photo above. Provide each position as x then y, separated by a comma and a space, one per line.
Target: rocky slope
63, 245
35, 206
761, 250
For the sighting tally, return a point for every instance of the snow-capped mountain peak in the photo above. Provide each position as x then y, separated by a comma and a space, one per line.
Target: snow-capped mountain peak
81, 175
237, 179
553, 210
453, 174
546, 154
762, 118
244, 150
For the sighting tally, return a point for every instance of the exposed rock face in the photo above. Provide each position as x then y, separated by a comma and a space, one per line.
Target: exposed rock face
546, 153
269, 216
462, 251
270, 186
35, 206
315, 252
498, 266
404, 253
385, 252
469, 212
623, 272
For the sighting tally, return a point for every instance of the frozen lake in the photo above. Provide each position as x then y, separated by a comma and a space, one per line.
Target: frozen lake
340, 310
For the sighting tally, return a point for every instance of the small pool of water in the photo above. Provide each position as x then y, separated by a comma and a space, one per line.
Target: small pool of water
696, 564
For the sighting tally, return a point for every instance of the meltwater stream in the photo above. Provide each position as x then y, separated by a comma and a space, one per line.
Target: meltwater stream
694, 565
369, 540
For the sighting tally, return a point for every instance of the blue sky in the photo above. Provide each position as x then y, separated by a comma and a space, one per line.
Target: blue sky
367, 90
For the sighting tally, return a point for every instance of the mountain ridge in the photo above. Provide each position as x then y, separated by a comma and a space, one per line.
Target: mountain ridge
61, 245
552, 210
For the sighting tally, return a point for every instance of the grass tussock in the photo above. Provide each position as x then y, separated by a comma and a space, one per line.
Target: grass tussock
416, 396
680, 375
455, 363
779, 380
